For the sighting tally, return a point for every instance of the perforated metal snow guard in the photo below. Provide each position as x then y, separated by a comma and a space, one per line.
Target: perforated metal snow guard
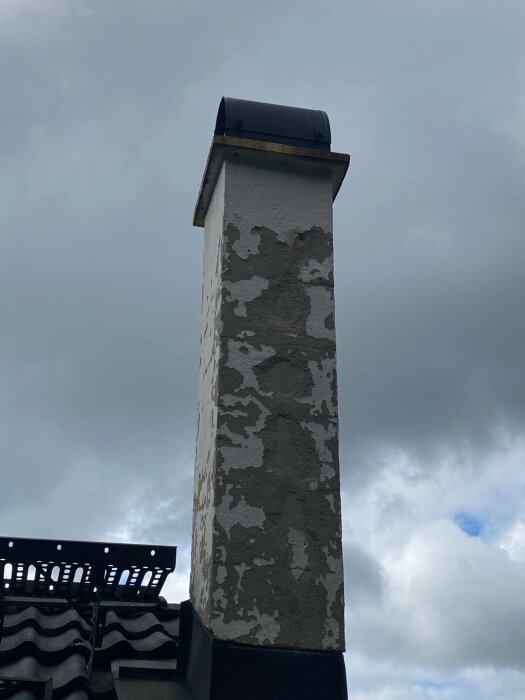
83, 571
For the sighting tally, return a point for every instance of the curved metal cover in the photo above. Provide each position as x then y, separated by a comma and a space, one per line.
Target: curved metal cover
261, 121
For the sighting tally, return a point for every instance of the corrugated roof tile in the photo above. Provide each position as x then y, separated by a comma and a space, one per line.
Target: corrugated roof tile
43, 644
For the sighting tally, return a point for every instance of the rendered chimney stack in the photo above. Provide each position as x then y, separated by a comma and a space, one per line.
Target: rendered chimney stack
267, 566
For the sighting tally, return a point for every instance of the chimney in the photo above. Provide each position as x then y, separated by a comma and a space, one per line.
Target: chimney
267, 572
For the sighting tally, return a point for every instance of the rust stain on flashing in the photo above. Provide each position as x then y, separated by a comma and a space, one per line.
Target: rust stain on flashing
231, 146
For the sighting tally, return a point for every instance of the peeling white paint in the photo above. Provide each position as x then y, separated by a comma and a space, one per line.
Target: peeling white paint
233, 630
297, 541
326, 473
330, 498
332, 581
243, 291
321, 307
263, 562
321, 435
316, 270
241, 569
246, 451
220, 599
287, 237
267, 626
264, 626
323, 373
248, 243
243, 357
240, 514
221, 574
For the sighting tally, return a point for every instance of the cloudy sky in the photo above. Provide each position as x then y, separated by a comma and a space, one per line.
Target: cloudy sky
106, 114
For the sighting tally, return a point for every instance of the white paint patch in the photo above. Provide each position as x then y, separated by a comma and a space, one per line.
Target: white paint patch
321, 307
287, 237
316, 270
244, 291
222, 572
327, 472
321, 435
220, 599
248, 243
241, 514
245, 452
268, 626
263, 626
233, 630
297, 541
243, 357
323, 395
263, 562
332, 582
282, 200
241, 569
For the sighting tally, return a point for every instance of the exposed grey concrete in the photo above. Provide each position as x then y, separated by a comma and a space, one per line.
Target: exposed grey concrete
267, 558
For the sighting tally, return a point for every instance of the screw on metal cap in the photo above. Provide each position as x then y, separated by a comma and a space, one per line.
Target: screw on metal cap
261, 121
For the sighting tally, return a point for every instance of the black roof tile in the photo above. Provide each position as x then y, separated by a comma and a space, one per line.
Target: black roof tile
50, 648
24, 695
45, 623
141, 626
45, 643
67, 673
155, 646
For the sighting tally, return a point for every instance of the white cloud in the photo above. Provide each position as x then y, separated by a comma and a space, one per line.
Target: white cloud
177, 586
457, 599
513, 542
439, 601
370, 679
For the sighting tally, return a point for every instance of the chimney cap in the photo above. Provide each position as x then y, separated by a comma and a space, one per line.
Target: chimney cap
262, 121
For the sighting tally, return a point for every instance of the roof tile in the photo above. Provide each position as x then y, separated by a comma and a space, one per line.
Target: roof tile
43, 644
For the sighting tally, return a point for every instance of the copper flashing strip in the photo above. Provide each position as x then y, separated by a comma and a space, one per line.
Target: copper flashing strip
224, 147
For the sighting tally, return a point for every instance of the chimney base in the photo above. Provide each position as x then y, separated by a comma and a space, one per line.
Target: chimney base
217, 670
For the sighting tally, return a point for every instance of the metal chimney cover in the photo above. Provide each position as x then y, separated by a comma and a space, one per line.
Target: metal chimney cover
261, 121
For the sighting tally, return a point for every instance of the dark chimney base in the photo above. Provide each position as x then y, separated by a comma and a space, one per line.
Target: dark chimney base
218, 670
